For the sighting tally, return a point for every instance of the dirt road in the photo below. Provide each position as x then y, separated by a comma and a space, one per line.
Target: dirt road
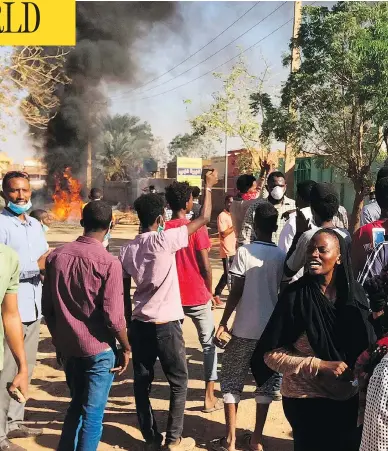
49, 394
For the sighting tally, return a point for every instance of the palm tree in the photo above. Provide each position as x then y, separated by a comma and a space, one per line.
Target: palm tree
125, 143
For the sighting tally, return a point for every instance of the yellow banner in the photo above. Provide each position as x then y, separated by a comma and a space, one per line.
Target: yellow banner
189, 170
37, 23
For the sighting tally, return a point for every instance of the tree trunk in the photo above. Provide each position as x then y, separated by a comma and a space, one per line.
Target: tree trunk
357, 207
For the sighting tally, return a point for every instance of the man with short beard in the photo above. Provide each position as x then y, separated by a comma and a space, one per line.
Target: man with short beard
25, 236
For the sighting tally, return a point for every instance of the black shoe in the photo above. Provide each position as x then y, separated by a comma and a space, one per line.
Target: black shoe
24, 432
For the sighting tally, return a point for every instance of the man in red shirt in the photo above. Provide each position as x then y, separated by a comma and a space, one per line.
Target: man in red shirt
195, 283
362, 242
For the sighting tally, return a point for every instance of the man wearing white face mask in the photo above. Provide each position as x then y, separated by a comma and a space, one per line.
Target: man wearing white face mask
276, 187
25, 236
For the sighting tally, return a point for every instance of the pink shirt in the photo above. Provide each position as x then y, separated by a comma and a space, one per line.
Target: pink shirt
150, 260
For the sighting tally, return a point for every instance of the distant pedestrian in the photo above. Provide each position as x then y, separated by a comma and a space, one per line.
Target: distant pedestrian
43, 217
96, 194
227, 247
83, 304
155, 324
196, 210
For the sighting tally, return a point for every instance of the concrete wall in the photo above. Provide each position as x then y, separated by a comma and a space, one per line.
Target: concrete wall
115, 192
127, 192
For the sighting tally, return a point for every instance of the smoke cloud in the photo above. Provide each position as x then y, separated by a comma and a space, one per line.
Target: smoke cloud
107, 33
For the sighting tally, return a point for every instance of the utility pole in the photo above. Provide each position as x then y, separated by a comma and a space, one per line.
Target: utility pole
289, 156
89, 174
226, 150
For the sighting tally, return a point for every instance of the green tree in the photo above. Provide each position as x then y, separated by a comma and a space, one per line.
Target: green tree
339, 92
124, 144
191, 145
229, 113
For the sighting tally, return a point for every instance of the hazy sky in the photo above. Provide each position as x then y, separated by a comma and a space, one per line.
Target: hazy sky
201, 22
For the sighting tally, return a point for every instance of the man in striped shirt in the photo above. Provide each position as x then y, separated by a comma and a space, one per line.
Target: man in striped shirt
83, 304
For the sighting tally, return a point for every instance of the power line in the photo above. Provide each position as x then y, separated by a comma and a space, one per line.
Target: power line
196, 52
217, 67
215, 53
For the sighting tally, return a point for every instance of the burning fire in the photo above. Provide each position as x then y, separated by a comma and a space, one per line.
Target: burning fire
67, 198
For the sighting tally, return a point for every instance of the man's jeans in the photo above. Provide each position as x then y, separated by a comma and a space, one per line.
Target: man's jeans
203, 320
149, 341
89, 380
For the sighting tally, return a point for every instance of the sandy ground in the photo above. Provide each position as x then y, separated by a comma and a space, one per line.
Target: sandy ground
49, 395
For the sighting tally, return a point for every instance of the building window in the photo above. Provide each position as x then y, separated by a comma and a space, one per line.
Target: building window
302, 170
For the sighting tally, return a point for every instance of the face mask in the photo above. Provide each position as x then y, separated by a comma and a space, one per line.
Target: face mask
277, 193
45, 228
19, 209
161, 225
108, 235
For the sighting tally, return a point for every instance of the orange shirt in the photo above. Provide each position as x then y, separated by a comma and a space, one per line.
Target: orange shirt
227, 244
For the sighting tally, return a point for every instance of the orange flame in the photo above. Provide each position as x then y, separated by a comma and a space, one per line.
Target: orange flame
68, 202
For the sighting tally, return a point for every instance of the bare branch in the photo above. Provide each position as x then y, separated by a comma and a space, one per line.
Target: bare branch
35, 74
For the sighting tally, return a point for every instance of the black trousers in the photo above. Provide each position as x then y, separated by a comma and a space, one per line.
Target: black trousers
322, 424
226, 263
165, 341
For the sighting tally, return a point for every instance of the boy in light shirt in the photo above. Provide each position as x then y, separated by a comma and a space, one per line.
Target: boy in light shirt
155, 324
257, 271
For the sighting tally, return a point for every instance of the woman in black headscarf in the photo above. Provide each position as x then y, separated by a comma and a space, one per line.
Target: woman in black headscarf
318, 329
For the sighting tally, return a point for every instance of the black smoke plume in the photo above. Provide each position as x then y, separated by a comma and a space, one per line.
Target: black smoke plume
105, 51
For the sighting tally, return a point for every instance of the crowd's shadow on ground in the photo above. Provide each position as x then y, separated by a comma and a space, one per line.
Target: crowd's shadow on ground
121, 409
115, 244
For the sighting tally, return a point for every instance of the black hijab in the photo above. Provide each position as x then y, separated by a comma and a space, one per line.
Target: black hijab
337, 331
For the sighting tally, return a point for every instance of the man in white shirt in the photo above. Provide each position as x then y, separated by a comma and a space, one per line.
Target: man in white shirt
324, 205
303, 191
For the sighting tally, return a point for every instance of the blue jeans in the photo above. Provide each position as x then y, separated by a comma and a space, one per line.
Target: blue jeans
89, 380
203, 319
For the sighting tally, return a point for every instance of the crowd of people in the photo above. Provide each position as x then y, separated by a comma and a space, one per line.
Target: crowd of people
307, 303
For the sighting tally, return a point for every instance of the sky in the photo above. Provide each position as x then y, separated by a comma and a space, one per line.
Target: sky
200, 22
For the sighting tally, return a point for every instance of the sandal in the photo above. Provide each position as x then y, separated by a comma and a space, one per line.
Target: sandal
247, 444
219, 444
219, 405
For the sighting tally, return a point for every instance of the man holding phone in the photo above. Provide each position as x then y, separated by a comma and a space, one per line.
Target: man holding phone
83, 305
11, 327
365, 237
